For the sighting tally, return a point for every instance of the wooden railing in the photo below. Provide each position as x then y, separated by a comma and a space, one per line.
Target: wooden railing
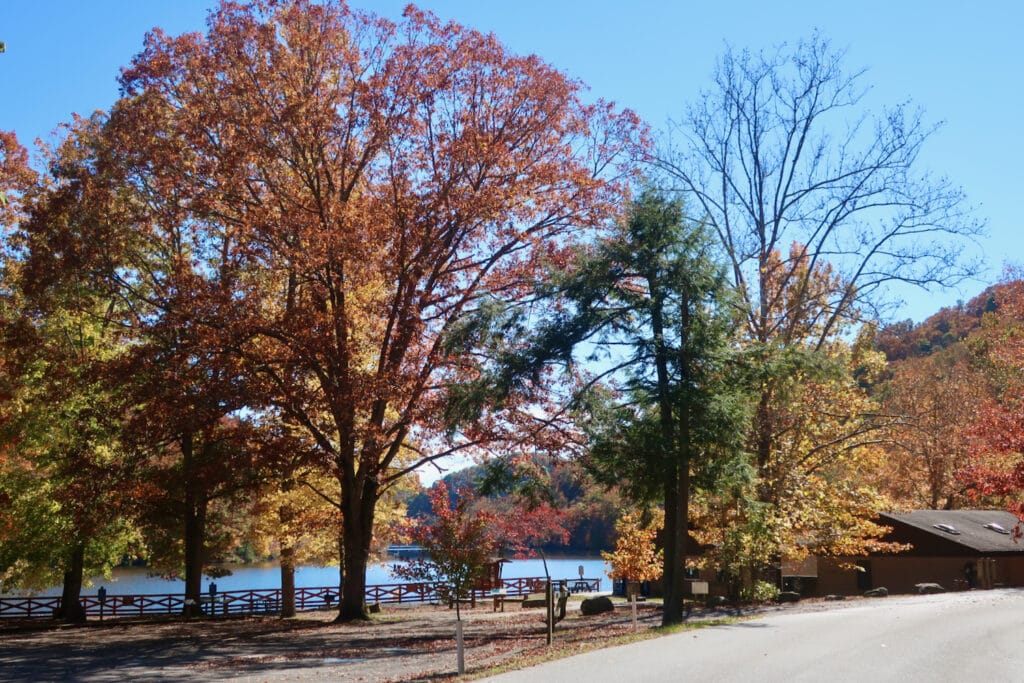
267, 600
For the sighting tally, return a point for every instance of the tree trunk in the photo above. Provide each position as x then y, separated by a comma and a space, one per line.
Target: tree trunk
670, 560
357, 523
679, 479
353, 589
676, 532
674, 607
195, 531
71, 609
287, 581
674, 526
286, 515
195, 542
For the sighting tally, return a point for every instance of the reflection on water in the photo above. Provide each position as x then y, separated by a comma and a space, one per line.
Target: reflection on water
136, 581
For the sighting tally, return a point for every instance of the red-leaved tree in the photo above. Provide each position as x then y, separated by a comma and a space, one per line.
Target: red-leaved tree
338, 191
997, 448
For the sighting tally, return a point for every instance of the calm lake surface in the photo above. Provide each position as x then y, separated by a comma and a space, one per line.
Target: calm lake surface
253, 576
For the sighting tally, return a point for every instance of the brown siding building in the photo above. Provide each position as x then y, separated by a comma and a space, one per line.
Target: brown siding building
957, 549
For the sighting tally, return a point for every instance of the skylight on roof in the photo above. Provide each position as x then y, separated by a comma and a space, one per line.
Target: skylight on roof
948, 528
998, 528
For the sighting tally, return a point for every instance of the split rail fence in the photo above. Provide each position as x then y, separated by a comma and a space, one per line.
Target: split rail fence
268, 600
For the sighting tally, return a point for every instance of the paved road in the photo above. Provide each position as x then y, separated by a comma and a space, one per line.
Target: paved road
976, 636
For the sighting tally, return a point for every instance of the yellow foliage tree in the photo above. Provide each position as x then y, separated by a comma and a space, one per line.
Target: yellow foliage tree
815, 492
635, 557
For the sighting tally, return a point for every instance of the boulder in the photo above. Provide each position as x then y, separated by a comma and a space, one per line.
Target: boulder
717, 600
601, 603
787, 596
925, 588
834, 596
880, 592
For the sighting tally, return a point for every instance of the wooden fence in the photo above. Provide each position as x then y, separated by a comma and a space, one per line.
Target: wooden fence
266, 601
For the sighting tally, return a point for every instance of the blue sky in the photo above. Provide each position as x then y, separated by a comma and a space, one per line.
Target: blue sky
962, 63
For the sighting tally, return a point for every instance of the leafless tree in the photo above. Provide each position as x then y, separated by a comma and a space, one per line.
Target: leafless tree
796, 178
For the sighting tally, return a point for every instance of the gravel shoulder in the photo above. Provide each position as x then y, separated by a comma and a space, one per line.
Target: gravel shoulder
399, 644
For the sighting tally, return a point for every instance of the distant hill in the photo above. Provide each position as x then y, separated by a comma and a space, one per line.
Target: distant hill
949, 326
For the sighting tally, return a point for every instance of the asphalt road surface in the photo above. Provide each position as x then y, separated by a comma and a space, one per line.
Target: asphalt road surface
968, 636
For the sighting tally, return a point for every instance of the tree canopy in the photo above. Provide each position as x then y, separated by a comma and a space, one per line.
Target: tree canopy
304, 201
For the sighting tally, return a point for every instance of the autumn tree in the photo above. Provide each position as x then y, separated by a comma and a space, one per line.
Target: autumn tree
458, 544
458, 541
820, 432
95, 238
291, 518
293, 521
818, 207
64, 475
933, 401
995, 468
335, 191
16, 178
826, 450
636, 557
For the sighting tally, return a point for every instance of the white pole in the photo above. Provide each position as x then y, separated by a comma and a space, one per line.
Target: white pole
459, 647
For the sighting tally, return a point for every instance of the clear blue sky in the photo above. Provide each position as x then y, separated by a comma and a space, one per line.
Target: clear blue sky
962, 62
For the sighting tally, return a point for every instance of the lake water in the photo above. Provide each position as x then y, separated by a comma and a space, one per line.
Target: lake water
243, 577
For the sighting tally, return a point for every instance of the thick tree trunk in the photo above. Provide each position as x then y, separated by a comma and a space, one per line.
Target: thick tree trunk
286, 515
674, 526
195, 531
287, 581
71, 609
678, 479
673, 610
357, 515
670, 559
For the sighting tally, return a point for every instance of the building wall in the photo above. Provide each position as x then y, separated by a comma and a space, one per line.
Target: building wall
1012, 571
899, 573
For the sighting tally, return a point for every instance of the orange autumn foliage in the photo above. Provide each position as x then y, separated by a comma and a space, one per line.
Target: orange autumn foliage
348, 189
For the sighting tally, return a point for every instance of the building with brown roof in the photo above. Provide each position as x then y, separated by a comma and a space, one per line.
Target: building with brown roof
957, 549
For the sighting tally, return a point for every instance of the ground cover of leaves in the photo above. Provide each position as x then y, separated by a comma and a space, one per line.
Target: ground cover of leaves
399, 644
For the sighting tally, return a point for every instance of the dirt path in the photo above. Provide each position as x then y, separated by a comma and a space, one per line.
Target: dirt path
400, 644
